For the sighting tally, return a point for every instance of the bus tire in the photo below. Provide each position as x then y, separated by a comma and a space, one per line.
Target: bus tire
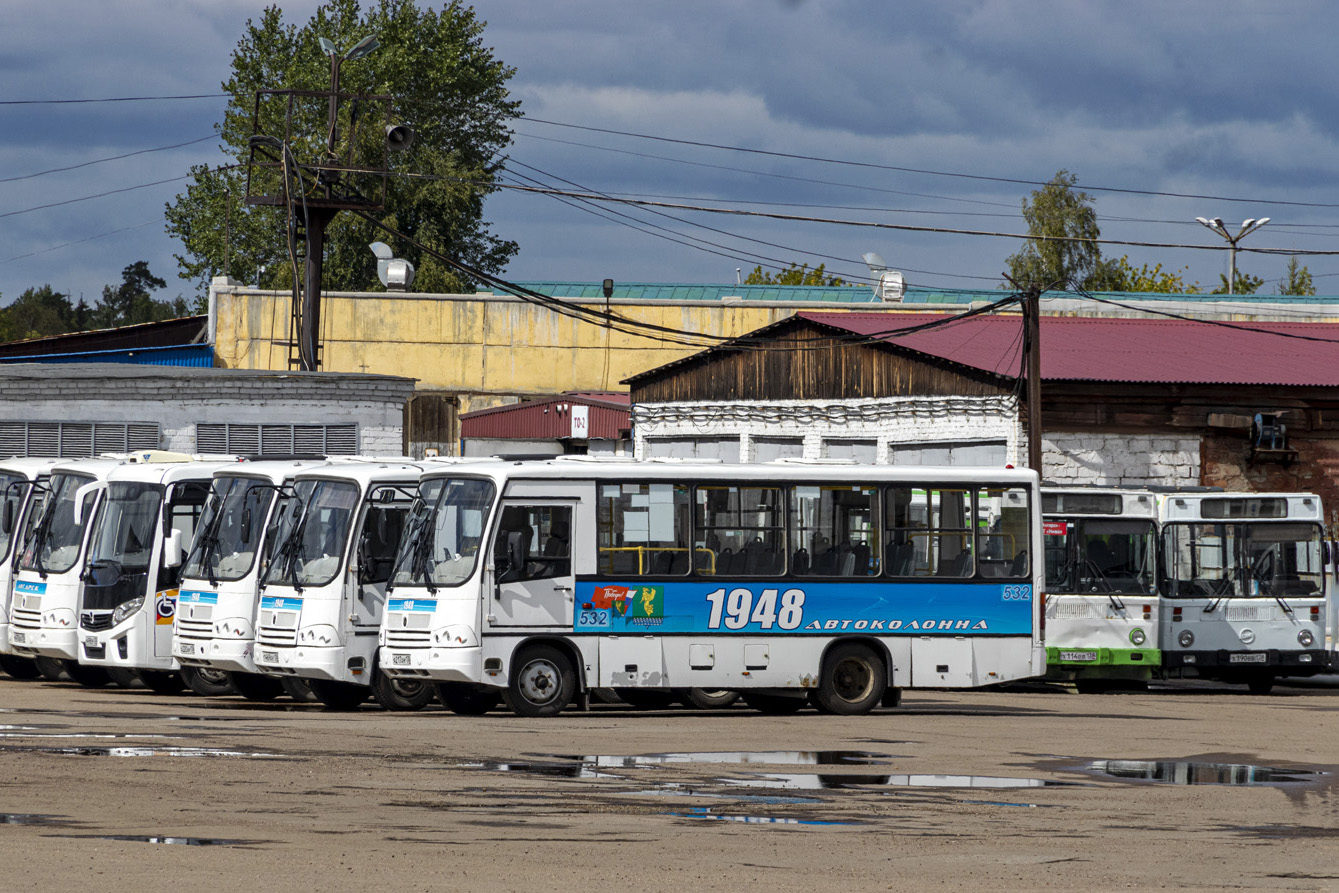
88, 677
257, 686
51, 669
162, 682
401, 694
542, 682
207, 682
339, 695
892, 697
19, 667
1260, 685
466, 699
707, 698
773, 705
646, 698
122, 677
852, 680
298, 689
1086, 685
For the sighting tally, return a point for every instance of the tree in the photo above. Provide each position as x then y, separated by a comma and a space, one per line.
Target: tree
1121, 275
38, 312
1245, 284
1297, 281
132, 303
1055, 211
447, 85
795, 274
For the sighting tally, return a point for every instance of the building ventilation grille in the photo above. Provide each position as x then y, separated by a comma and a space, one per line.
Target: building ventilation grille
276, 440
76, 440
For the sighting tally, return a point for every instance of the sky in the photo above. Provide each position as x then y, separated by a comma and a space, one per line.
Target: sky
941, 115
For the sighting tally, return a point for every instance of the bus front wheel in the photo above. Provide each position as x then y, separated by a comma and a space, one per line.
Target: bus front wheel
162, 682
401, 694
339, 695
852, 682
542, 682
208, 682
19, 667
464, 699
87, 676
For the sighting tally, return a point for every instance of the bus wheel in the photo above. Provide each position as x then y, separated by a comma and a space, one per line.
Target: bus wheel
465, 699
207, 682
1260, 685
401, 694
542, 682
646, 698
892, 697
852, 682
774, 705
19, 667
1086, 685
298, 689
257, 686
707, 698
339, 695
88, 677
51, 669
162, 682
122, 678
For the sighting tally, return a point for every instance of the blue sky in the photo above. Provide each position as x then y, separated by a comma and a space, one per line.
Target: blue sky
1155, 101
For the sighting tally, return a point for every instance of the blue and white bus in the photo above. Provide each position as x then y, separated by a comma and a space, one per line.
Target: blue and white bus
836, 585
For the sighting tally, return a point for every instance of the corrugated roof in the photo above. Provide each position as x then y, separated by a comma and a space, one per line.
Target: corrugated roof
549, 418
1125, 350
671, 291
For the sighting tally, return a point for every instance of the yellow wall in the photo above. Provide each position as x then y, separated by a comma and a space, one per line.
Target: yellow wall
487, 349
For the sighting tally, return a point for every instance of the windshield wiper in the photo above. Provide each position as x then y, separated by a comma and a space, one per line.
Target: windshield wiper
1098, 576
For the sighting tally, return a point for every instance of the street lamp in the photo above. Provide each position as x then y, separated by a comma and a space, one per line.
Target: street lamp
1248, 226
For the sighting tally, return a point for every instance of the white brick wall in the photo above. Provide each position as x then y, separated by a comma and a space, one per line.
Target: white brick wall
1122, 460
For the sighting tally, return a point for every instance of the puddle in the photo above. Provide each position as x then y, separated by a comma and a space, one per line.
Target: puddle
1192, 772
706, 813
765, 757
47, 736
141, 752
24, 818
552, 770
178, 841
673, 790
839, 782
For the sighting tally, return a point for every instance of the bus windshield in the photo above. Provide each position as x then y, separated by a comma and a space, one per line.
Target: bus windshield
1100, 556
230, 530
441, 545
313, 534
122, 545
1243, 560
54, 547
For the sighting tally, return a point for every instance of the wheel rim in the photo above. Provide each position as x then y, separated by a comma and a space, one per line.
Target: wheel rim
539, 682
213, 677
852, 680
407, 688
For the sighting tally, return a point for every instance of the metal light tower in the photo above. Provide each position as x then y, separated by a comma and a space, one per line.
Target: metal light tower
1248, 226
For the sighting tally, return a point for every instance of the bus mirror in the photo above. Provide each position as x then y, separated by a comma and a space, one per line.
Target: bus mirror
172, 549
7, 518
245, 530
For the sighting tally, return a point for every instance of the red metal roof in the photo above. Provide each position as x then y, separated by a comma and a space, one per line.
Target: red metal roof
1075, 348
550, 418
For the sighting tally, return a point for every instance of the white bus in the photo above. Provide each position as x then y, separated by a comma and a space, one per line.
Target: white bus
1245, 594
146, 518
324, 586
22, 491
214, 631
1102, 603
544, 580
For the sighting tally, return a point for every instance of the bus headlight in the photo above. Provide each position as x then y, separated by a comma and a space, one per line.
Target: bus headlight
1305, 638
232, 628
126, 610
1137, 637
1187, 638
318, 635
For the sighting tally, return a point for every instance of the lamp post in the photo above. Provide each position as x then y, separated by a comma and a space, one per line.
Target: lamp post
1248, 226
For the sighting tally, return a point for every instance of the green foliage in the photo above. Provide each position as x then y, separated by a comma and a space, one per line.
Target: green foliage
1245, 284
1297, 280
1121, 275
795, 274
39, 312
446, 85
1060, 213
131, 303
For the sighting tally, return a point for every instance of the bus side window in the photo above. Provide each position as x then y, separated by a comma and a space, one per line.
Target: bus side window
533, 543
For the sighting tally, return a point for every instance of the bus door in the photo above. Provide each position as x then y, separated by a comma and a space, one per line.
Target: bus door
533, 580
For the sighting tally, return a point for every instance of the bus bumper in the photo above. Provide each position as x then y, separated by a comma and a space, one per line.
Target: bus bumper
440, 664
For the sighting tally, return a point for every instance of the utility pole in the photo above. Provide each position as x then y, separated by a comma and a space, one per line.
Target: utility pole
1030, 301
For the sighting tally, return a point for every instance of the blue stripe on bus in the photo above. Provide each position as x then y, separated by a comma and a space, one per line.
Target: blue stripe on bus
196, 597
278, 603
411, 604
754, 608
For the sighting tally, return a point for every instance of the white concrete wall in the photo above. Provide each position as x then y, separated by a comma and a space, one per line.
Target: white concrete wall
1121, 459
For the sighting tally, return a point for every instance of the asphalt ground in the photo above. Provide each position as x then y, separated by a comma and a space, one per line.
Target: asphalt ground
1006, 789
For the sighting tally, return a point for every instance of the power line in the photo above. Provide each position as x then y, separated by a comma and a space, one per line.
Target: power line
72, 167
111, 99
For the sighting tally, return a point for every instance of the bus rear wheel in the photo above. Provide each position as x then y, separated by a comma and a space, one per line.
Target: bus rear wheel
401, 694
774, 705
339, 695
852, 681
207, 682
122, 677
464, 699
257, 686
51, 669
646, 698
162, 682
707, 698
19, 667
88, 677
298, 689
542, 682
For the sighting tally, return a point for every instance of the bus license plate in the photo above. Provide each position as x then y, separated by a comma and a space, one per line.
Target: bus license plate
16, 637
400, 660
90, 641
1248, 658
1078, 655
271, 656
187, 647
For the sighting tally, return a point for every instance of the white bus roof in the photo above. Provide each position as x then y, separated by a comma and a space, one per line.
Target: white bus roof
1251, 507
31, 467
276, 471
364, 473
168, 472
618, 469
1134, 503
